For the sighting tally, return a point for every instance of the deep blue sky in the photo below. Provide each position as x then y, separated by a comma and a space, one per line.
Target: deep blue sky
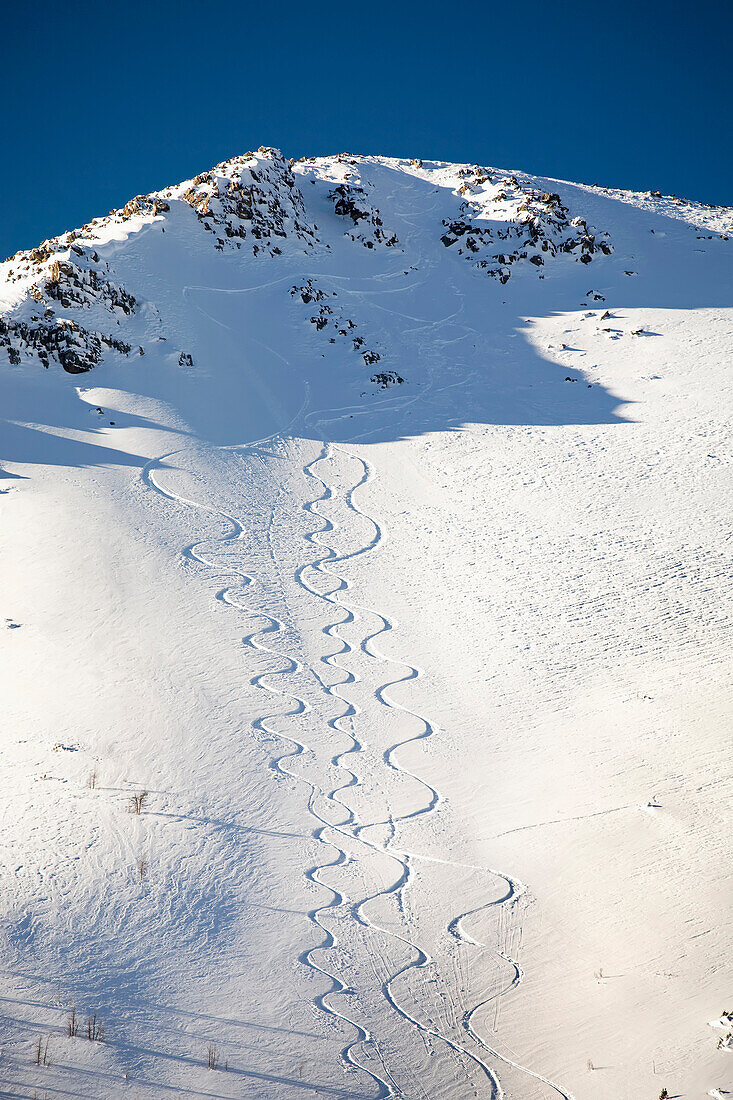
101, 102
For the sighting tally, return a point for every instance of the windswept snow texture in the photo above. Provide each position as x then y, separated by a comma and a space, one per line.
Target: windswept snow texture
373, 518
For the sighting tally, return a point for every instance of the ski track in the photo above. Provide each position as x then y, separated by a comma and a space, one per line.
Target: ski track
350, 829
512, 899
300, 706
335, 597
515, 890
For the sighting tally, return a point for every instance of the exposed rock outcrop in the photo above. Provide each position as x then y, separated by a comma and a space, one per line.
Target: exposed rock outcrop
502, 223
253, 199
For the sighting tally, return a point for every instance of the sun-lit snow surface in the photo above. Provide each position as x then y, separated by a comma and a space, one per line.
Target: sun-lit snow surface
427, 680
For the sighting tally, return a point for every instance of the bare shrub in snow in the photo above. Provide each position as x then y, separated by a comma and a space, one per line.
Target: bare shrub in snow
138, 801
212, 1056
72, 1024
95, 1029
42, 1057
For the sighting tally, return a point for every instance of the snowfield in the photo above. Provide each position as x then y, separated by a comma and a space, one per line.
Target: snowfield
368, 521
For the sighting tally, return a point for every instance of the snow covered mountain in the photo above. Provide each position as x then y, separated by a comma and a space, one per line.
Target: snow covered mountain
367, 595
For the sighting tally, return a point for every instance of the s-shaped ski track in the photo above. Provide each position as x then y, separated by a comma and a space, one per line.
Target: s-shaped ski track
273, 625
515, 890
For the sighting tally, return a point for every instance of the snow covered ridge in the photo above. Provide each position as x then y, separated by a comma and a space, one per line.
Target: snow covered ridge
62, 302
716, 219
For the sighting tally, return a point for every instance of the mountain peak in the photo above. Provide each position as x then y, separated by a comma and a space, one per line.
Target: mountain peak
64, 301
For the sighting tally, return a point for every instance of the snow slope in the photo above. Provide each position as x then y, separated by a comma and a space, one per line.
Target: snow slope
372, 516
